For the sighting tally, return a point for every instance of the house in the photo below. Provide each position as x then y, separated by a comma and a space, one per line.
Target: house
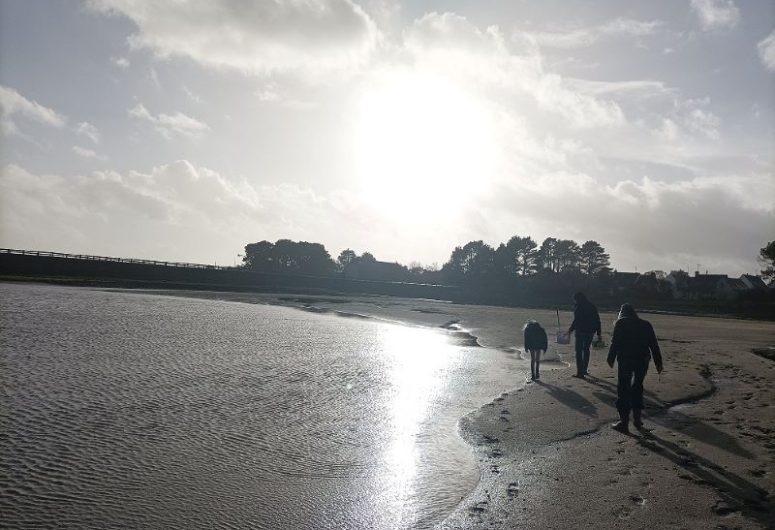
679, 283
713, 287
377, 271
622, 281
753, 282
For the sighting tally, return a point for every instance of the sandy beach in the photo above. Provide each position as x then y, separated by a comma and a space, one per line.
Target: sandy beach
550, 460
548, 457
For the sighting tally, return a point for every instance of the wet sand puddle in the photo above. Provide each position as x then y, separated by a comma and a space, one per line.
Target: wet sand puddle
145, 411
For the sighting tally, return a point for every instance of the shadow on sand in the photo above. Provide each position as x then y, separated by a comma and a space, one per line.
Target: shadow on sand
569, 398
661, 414
738, 494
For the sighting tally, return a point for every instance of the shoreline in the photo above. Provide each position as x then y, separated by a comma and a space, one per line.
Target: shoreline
715, 309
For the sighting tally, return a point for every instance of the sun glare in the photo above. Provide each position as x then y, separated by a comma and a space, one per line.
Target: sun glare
423, 145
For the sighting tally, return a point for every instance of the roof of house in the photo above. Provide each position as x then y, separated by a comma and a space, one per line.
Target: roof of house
706, 282
755, 281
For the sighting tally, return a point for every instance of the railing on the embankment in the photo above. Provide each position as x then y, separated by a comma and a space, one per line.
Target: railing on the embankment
89, 257
58, 266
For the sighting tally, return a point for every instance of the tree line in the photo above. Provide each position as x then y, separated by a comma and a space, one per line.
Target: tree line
473, 262
516, 271
521, 256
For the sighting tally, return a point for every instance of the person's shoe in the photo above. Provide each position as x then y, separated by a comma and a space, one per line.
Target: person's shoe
578, 376
538, 376
637, 421
621, 427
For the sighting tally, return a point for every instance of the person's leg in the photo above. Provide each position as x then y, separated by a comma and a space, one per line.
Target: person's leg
623, 395
636, 399
587, 344
538, 364
532, 364
579, 345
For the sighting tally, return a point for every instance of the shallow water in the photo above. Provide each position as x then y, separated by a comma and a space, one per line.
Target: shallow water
134, 410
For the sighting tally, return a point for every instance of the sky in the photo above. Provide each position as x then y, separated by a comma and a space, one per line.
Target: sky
185, 130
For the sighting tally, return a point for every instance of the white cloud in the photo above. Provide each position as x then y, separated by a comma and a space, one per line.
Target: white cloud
767, 51
583, 37
258, 37
167, 124
451, 45
637, 88
89, 131
175, 211
270, 93
14, 106
647, 222
84, 152
121, 62
716, 14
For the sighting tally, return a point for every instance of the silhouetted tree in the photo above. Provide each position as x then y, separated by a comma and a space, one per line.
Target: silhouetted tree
567, 255
767, 258
346, 257
594, 258
546, 255
503, 261
522, 251
258, 256
472, 261
286, 256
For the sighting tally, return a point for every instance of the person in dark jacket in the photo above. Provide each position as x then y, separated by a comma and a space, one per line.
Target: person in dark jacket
536, 342
586, 322
633, 344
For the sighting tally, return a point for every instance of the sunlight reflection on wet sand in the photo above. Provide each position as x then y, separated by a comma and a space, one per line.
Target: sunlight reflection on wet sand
419, 358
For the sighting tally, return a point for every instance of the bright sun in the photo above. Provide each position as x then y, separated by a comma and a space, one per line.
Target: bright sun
423, 145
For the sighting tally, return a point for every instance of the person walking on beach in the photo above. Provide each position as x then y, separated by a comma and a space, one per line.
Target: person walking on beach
633, 344
536, 342
586, 322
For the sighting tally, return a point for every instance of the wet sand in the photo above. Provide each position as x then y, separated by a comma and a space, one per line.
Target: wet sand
547, 455
549, 458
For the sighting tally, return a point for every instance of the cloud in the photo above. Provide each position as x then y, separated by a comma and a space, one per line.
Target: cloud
584, 37
648, 222
452, 46
169, 124
271, 94
121, 62
716, 14
89, 131
84, 152
256, 37
767, 51
174, 211
14, 106
636, 88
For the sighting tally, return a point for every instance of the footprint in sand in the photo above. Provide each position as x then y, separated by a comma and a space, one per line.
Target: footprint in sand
479, 508
638, 500
513, 489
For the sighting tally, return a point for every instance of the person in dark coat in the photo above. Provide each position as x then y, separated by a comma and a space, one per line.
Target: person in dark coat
536, 342
586, 322
633, 344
